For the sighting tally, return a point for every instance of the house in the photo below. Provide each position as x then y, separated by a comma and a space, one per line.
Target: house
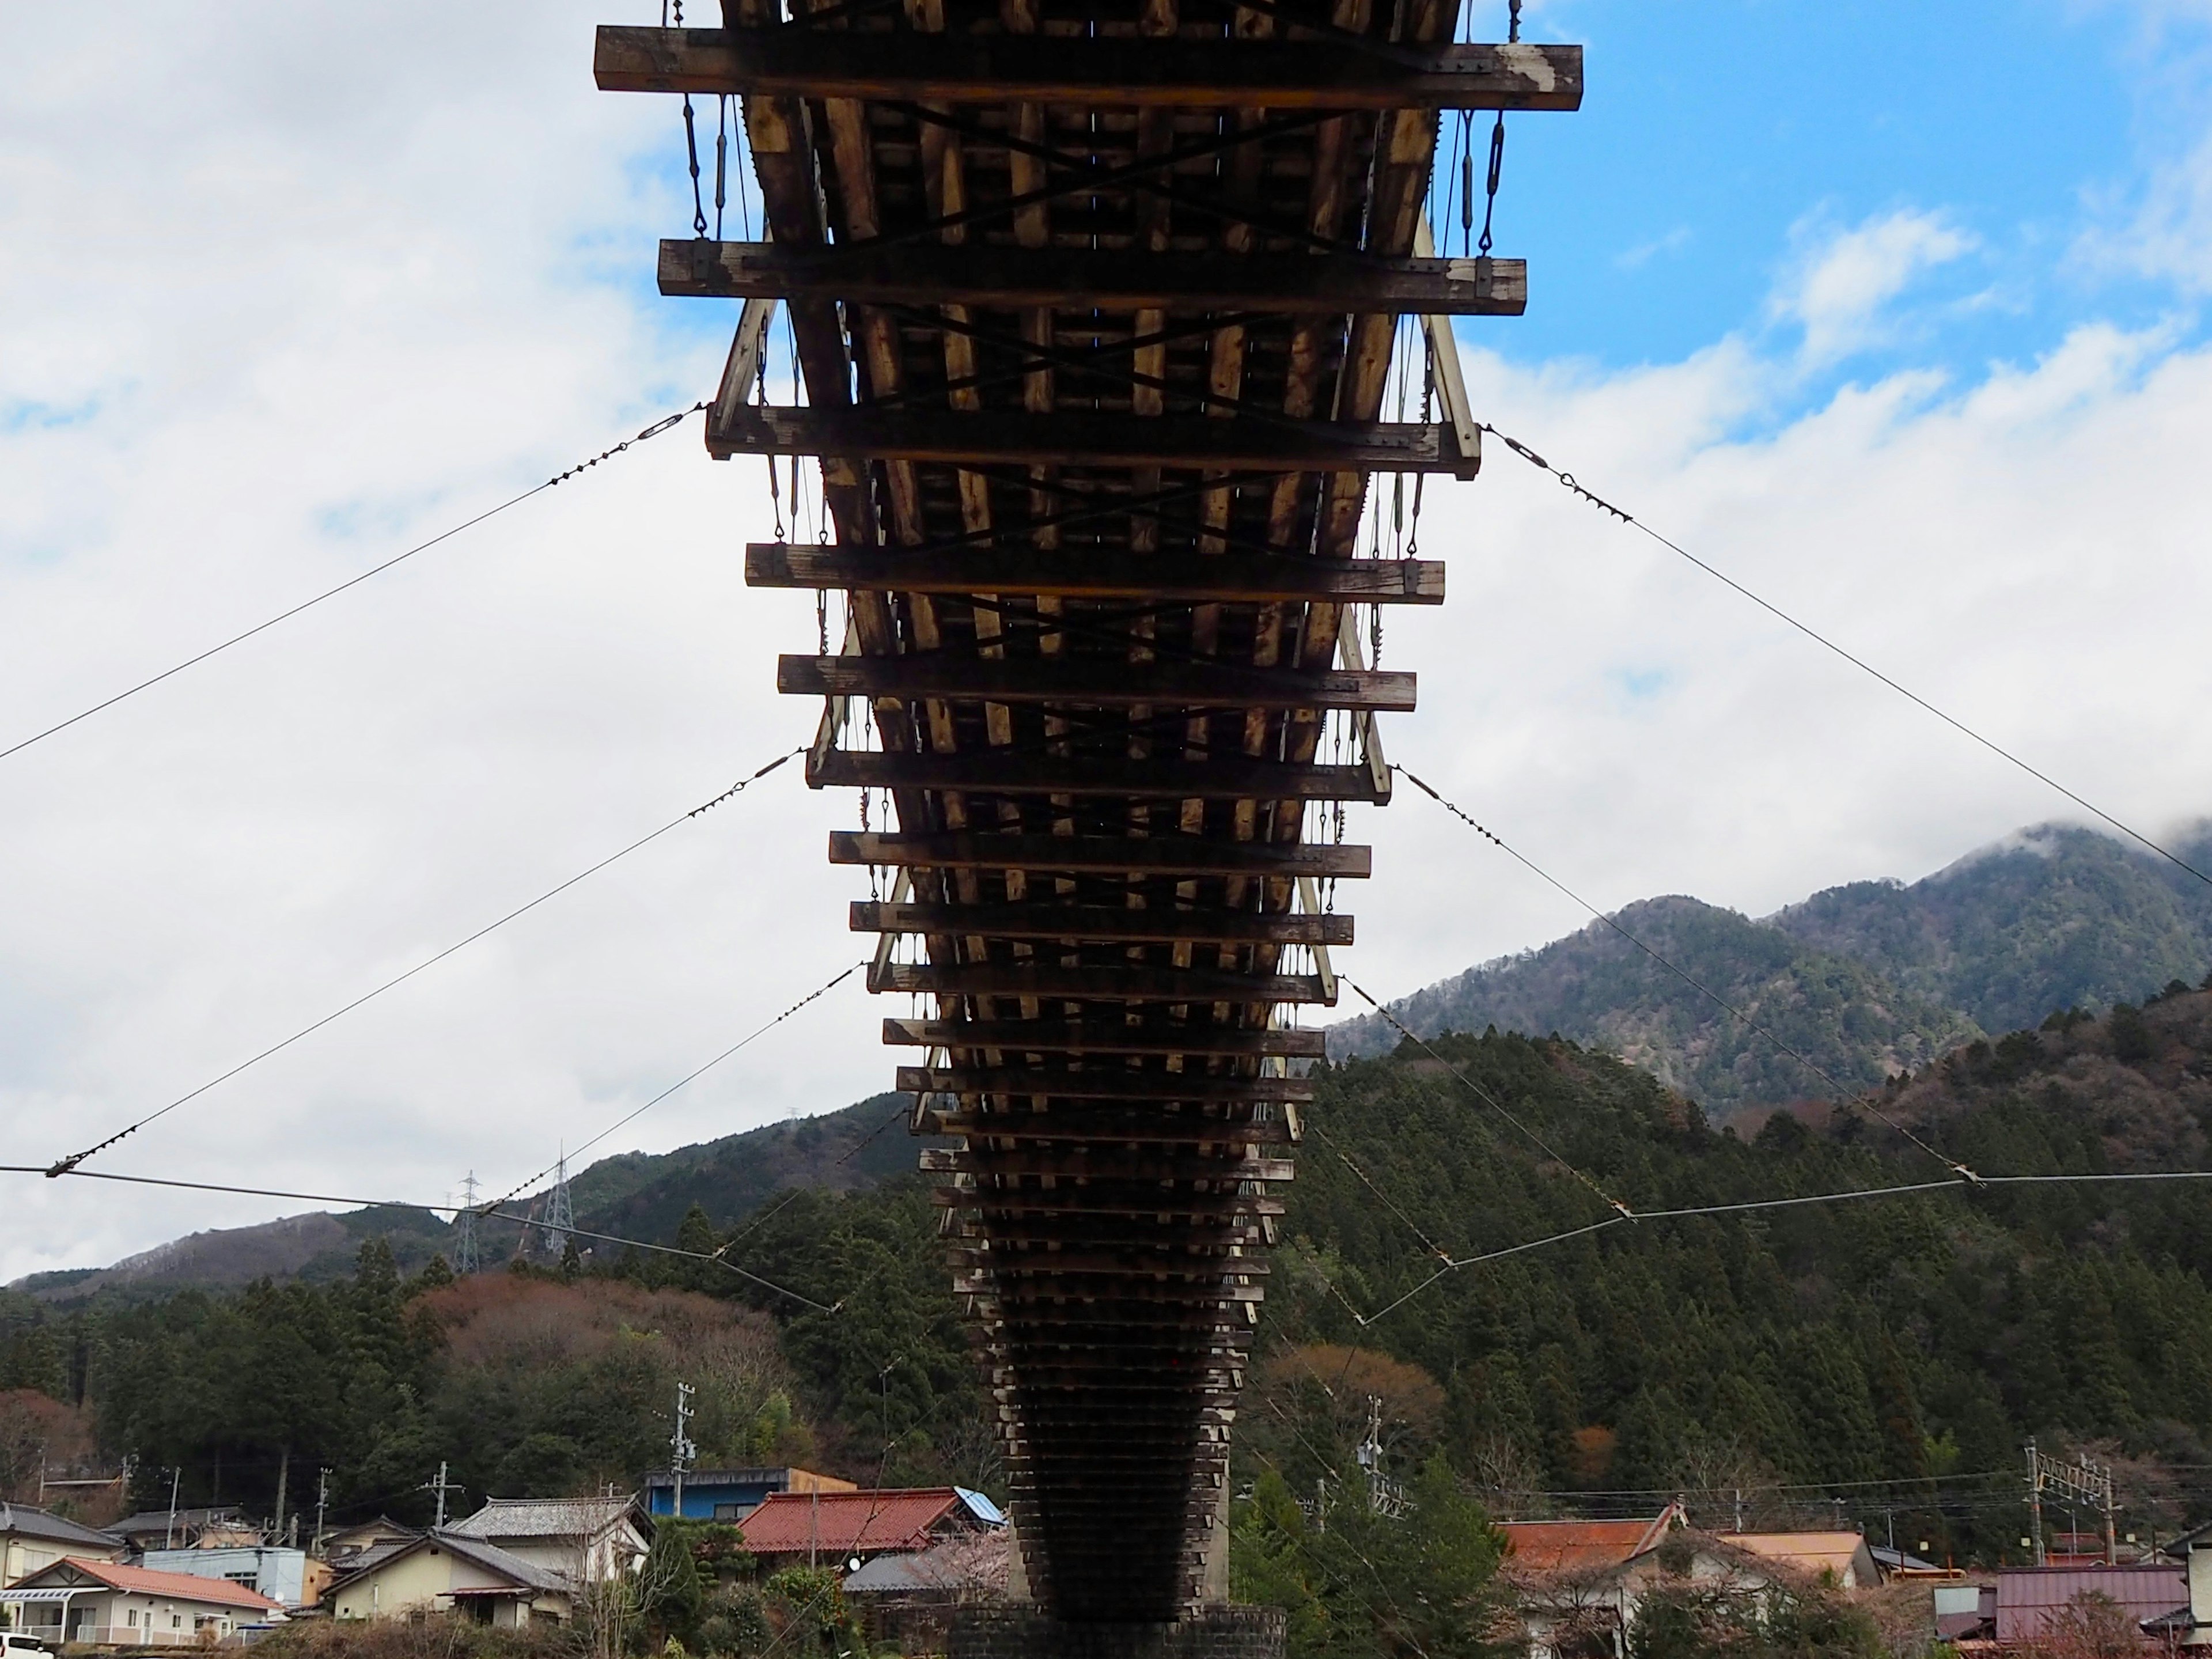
107, 1604
908, 1601
183, 1529
809, 1527
31, 1539
1841, 1558
2194, 1551
347, 1549
731, 1494
445, 1572
2027, 1597
588, 1541
290, 1578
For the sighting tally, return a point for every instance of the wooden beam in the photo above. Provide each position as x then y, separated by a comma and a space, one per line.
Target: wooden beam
1149, 855
901, 66
1013, 437
1051, 981
1098, 922
1101, 1036
1107, 1166
1095, 279
1192, 1088
1227, 579
1095, 1128
1223, 777
1094, 681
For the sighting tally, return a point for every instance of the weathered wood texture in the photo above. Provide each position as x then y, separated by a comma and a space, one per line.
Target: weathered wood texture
1099, 316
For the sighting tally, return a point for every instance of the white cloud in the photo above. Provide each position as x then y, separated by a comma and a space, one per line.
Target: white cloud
299, 297
1843, 280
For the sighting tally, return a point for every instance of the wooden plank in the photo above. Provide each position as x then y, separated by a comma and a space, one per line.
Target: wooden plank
1094, 681
1228, 578
1095, 1128
1098, 984
1101, 1083
1013, 437
1095, 279
1098, 922
1115, 1165
1100, 1036
1146, 855
900, 66
1224, 777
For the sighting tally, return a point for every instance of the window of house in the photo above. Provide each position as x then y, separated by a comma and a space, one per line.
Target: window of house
728, 1511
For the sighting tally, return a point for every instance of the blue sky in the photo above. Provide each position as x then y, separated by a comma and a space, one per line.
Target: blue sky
1890, 311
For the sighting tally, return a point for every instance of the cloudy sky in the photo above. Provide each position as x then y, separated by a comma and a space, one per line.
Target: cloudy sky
1894, 312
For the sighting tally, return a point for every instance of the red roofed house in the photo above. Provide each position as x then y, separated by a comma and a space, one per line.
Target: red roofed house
106, 1604
832, 1528
1572, 1578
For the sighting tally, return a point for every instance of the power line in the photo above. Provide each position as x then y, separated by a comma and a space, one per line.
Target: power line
1859, 663
688, 1077
652, 431
66, 1165
1456, 1264
456, 1210
1847, 1096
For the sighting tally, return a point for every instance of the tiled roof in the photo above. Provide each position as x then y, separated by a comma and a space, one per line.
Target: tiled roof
1577, 1546
849, 1523
42, 1524
2027, 1597
176, 1586
489, 1556
542, 1517
959, 1564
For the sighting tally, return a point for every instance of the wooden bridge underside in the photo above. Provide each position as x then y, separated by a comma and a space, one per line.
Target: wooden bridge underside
1095, 305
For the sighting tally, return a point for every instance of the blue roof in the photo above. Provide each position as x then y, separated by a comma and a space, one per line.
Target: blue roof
981, 1507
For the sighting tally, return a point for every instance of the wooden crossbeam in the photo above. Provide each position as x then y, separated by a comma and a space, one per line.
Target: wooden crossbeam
1100, 279
1102, 922
1004, 437
1224, 777
900, 65
1105, 1166
1227, 579
1101, 1036
1149, 855
1100, 1083
1095, 682
1110, 984
1148, 1126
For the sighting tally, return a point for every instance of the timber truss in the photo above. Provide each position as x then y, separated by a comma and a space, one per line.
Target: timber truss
1096, 302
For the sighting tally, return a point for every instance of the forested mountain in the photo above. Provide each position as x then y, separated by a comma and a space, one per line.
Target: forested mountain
1864, 980
634, 1194
1792, 1354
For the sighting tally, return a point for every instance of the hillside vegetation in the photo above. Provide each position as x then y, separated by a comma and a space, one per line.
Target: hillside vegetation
1792, 1355
1865, 981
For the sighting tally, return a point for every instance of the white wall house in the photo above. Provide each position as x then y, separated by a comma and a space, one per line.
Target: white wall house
445, 1572
106, 1604
589, 1540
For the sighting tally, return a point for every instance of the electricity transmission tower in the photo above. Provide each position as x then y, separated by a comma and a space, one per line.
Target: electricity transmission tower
2087, 1484
560, 1214
464, 1239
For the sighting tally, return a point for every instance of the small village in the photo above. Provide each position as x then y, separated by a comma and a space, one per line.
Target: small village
899, 1563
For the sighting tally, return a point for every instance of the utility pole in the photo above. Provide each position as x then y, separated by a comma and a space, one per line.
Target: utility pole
441, 1487
1739, 1509
2035, 1504
169, 1532
681, 1451
322, 1503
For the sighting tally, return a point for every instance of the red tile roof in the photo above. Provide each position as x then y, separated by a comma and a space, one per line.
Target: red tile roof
178, 1586
1574, 1546
842, 1523
2027, 1597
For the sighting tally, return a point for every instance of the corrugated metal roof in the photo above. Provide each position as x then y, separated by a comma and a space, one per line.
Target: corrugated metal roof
176, 1586
542, 1517
1571, 1546
849, 1523
2027, 1597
